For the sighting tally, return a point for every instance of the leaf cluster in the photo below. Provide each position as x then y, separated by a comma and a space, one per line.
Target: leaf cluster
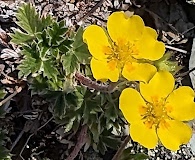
99, 111
52, 53
49, 51
4, 153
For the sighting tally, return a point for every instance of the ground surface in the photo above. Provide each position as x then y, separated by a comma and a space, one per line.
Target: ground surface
173, 19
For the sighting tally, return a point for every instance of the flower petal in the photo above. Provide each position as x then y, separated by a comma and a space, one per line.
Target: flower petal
180, 104
148, 47
101, 70
138, 71
160, 86
131, 103
174, 133
143, 135
122, 27
97, 41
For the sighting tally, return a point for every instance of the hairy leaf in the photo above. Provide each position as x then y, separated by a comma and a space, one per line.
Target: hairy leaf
29, 65
49, 70
20, 37
56, 33
28, 19
80, 48
70, 63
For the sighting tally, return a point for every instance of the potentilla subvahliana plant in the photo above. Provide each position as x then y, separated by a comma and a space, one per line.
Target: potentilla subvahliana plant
159, 112
52, 55
56, 61
128, 48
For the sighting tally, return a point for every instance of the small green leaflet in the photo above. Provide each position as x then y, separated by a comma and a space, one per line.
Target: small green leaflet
70, 63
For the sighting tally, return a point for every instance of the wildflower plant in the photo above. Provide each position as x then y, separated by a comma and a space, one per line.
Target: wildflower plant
131, 49
62, 64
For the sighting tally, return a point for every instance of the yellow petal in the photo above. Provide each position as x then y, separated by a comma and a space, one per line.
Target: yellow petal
180, 104
160, 86
102, 70
174, 133
143, 135
131, 104
138, 71
122, 27
97, 41
148, 47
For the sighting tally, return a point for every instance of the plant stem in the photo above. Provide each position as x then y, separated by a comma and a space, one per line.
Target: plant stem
82, 138
121, 149
11, 96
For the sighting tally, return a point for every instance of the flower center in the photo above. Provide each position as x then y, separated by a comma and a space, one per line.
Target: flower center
121, 52
154, 113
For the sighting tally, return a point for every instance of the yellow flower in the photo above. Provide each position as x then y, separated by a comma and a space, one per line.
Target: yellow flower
159, 111
125, 48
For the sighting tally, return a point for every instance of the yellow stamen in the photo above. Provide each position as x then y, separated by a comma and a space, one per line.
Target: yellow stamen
121, 52
155, 112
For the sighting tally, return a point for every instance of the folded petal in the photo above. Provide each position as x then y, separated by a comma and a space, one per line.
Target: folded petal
143, 135
138, 71
180, 104
120, 26
131, 104
173, 133
148, 46
97, 41
160, 86
102, 70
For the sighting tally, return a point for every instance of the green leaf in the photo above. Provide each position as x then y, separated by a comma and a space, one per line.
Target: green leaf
60, 104
80, 48
83, 54
65, 46
69, 126
94, 131
55, 85
111, 142
63, 101
50, 70
28, 65
31, 63
44, 51
78, 39
56, 33
38, 84
70, 63
127, 155
28, 19
102, 147
19, 37
47, 21
2, 94
140, 156
4, 153
31, 50
80, 93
